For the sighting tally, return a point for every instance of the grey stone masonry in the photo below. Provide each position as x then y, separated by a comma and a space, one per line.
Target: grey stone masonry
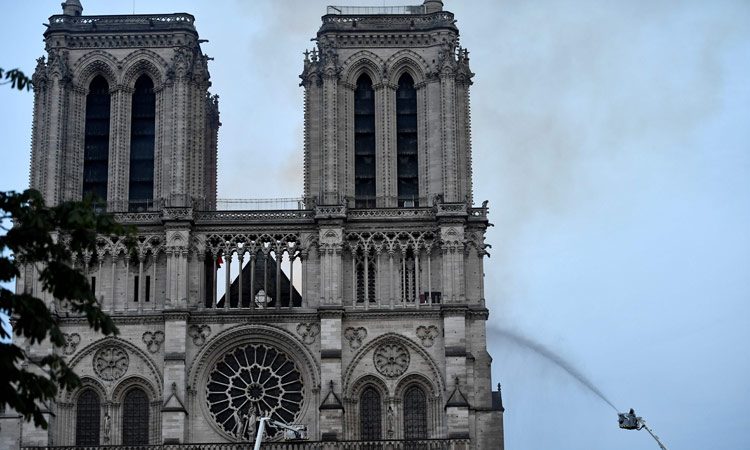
122, 48
362, 323
384, 47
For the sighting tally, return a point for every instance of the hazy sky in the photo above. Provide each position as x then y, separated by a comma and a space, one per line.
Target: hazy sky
612, 140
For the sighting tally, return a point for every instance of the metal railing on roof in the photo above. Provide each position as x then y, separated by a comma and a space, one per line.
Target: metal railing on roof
129, 19
418, 444
245, 204
374, 10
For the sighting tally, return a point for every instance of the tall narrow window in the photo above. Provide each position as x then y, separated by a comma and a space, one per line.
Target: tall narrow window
415, 414
142, 131
365, 276
369, 415
408, 277
406, 134
88, 411
135, 418
96, 140
364, 143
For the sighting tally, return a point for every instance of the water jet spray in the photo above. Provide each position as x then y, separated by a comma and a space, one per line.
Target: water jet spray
629, 421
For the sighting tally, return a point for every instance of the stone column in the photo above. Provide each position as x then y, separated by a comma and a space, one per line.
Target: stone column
330, 131
119, 147
448, 121
457, 408
173, 414
73, 172
386, 189
178, 238
55, 128
331, 409
331, 269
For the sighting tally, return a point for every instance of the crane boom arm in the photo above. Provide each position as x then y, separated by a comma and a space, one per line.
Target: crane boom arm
290, 431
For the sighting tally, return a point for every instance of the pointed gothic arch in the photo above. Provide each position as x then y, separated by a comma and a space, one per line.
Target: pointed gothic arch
97, 62
143, 61
407, 61
370, 415
361, 62
415, 413
135, 417
431, 369
142, 145
88, 417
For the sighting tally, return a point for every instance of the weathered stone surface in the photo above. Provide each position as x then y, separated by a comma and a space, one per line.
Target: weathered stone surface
384, 298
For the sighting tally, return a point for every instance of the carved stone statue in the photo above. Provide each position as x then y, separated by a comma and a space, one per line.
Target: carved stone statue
390, 420
107, 426
250, 424
237, 424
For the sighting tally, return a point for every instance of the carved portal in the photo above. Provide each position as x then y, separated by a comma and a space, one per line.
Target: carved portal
111, 363
391, 359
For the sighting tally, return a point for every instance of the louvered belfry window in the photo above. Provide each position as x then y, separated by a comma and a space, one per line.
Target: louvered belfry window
406, 142
88, 412
369, 415
142, 132
96, 139
135, 418
415, 414
364, 143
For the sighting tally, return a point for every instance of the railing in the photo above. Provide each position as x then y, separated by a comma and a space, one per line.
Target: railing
394, 20
139, 19
246, 216
368, 10
246, 204
423, 444
293, 209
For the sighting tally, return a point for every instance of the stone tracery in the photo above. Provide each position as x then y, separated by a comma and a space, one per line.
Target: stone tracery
111, 362
254, 379
391, 359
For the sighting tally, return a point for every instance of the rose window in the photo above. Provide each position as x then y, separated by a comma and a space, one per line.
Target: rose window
111, 363
254, 380
391, 359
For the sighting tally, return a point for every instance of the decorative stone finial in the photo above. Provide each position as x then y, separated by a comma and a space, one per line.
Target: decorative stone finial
433, 6
72, 8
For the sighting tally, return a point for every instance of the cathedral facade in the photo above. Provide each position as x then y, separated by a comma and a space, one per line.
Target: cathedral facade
360, 313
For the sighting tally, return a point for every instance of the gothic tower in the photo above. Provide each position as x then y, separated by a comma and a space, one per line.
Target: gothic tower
360, 314
387, 118
122, 111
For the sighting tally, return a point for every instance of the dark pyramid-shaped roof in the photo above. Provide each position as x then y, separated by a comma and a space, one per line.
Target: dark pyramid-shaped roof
260, 282
457, 398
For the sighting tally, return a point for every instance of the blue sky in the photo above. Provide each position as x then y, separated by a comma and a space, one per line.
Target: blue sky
612, 140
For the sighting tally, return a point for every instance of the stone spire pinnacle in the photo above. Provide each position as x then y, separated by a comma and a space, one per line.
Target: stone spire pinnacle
72, 8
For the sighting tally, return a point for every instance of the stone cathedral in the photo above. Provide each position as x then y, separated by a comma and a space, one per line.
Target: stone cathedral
359, 312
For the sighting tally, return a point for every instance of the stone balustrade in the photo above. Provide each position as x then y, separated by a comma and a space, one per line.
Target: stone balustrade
423, 444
